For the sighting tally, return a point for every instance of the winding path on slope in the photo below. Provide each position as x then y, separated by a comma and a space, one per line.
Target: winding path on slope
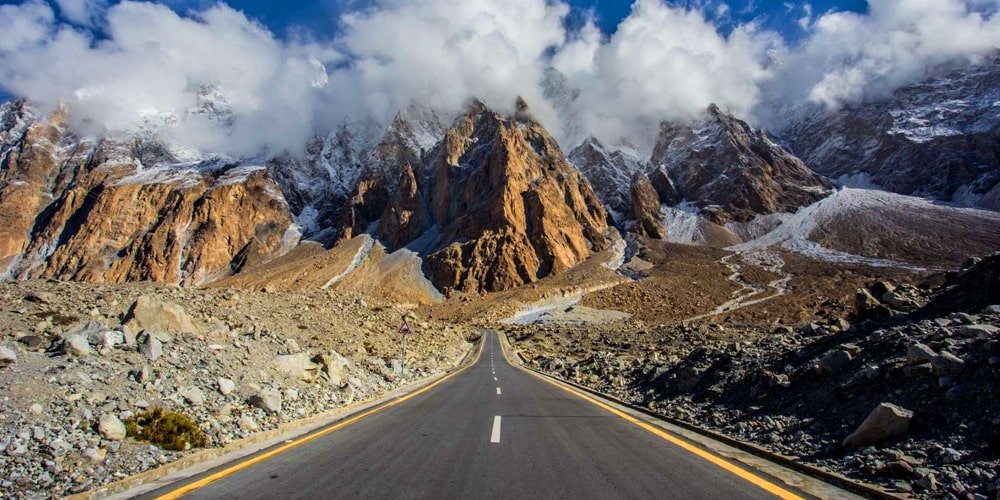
749, 294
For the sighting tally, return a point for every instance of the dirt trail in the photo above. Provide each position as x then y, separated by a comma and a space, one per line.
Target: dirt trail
749, 294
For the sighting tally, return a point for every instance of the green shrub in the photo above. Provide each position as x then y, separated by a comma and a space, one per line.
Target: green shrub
167, 429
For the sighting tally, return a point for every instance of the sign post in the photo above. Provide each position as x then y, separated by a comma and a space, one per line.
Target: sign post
406, 331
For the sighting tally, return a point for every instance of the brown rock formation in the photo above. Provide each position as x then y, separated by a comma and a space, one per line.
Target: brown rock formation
509, 207
116, 211
646, 208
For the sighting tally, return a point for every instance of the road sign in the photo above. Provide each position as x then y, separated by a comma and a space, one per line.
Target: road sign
405, 329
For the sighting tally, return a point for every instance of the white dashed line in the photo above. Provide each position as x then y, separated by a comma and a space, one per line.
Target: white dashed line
498, 391
495, 438
494, 379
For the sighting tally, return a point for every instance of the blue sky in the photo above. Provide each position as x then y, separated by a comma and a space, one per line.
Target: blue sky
318, 17
280, 15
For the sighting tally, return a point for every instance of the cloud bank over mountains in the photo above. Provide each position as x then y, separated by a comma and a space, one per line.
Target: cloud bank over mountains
149, 63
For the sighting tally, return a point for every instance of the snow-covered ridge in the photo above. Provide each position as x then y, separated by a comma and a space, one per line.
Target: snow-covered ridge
794, 232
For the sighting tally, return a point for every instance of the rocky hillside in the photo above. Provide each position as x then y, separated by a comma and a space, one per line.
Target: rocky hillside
77, 360
508, 207
128, 208
939, 138
892, 394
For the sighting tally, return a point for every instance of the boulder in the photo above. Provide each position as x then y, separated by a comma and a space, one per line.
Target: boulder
268, 400
333, 367
885, 421
110, 428
867, 306
107, 340
899, 302
150, 313
918, 370
979, 331
298, 365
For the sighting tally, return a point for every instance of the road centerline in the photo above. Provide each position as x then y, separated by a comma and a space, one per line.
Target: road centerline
495, 436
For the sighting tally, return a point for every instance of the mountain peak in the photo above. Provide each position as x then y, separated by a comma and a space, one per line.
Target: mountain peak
724, 163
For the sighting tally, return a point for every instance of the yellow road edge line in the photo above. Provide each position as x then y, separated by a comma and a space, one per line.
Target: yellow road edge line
205, 481
730, 467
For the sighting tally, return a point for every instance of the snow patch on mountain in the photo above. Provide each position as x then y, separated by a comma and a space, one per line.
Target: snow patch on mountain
683, 223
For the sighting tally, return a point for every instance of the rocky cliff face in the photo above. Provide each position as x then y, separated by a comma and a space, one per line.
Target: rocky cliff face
646, 208
610, 171
387, 191
938, 139
732, 171
128, 208
509, 208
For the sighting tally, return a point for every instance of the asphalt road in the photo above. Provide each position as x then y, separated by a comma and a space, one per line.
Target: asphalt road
490, 431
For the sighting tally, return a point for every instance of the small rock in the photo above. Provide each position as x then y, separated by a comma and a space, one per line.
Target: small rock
76, 345
226, 386
247, 424
40, 297
193, 395
834, 361
111, 428
142, 375
920, 353
95, 455
7, 356
151, 347
33, 342
36, 408
947, 362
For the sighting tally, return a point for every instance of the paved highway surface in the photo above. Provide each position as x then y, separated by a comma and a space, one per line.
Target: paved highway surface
489, 431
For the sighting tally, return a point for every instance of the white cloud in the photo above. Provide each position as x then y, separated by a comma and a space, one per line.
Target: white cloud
24, 25
441, 52
82, 12
848, 57
662, 62
154, 61
806, 21
667, 62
